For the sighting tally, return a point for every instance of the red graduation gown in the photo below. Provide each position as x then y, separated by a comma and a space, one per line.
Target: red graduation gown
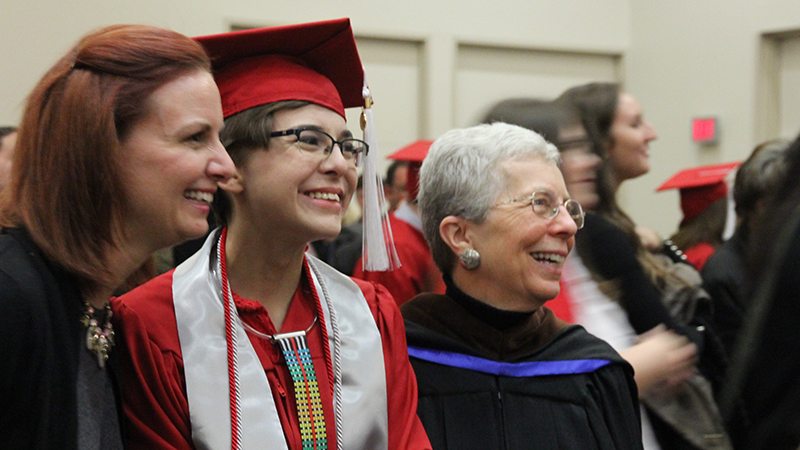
154, 388
418, 272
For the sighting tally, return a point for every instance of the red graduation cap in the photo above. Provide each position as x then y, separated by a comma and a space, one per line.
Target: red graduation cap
316, 62
700, 187
414, 153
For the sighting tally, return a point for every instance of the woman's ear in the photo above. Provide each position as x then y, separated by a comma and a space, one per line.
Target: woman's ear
234, 184
454, 231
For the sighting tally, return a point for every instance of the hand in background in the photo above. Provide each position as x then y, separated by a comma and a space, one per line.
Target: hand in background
661, 360
650, 239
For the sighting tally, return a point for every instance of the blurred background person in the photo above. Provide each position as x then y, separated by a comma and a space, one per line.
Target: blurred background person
765, 371
725, 275
394, 185
614, 122
707, 206
541, 116
118, 155
496, 368
252, 341
418, 272
8, 139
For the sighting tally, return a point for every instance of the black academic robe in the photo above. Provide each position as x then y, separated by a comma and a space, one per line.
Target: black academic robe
540, 384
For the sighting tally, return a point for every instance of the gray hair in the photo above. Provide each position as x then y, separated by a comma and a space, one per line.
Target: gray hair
461, 176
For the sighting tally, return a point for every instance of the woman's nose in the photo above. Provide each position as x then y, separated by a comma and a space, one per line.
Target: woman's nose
220, 166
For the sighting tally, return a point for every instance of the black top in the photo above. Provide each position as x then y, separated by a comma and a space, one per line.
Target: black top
725, 278
607, 251
772, 387
42, 335
496, 318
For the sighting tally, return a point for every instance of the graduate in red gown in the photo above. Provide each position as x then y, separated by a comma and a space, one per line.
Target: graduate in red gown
252, 343
417, 273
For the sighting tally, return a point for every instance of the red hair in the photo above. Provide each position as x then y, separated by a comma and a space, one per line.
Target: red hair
65, 188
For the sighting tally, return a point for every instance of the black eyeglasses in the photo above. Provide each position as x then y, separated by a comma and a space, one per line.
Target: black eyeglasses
317, 142
546, 205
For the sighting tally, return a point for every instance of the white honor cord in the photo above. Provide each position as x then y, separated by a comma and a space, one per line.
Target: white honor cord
336, 359
236, 434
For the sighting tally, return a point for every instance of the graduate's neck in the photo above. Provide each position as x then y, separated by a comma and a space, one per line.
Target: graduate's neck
263, 268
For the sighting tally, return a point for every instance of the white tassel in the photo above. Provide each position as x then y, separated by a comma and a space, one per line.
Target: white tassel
378, 251
730, 215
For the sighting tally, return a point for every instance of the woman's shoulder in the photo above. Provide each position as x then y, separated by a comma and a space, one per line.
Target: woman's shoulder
18, 253
605, 242
574, 342
24, 273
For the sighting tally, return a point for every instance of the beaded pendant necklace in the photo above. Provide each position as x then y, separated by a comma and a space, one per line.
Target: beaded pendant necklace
99, 339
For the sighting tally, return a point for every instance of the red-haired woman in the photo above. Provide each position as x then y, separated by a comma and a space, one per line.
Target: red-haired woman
118, 155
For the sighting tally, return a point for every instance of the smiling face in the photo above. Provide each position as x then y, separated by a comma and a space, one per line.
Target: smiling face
301, 195
171, 162
630, 139
522, 254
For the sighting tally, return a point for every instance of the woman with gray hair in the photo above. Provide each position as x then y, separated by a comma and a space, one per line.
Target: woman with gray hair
495, 368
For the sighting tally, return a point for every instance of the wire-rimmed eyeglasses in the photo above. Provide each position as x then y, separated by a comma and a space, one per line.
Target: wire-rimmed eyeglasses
546, 205
314, 141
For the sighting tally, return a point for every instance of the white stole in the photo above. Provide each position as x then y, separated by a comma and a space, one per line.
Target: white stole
196, 289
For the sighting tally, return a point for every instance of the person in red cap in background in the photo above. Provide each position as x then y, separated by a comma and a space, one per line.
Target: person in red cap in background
417, 273
252, 342
706, 210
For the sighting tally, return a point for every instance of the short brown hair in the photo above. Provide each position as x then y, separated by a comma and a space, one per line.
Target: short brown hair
65, 188
244, 133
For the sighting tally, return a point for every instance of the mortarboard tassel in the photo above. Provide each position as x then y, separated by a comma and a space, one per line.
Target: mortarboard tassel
378, 249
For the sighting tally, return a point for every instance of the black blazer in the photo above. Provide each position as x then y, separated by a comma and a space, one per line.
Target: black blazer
40, 337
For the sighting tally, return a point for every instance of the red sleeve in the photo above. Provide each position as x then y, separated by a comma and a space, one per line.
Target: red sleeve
562, 304
401, 282
699, 254
417, 273
153, 387
405, 428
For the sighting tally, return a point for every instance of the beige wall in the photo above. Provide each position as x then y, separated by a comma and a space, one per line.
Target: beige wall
681, 58
33, 34
691, 58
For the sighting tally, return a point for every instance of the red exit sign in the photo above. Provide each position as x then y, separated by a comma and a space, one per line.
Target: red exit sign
704, 130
